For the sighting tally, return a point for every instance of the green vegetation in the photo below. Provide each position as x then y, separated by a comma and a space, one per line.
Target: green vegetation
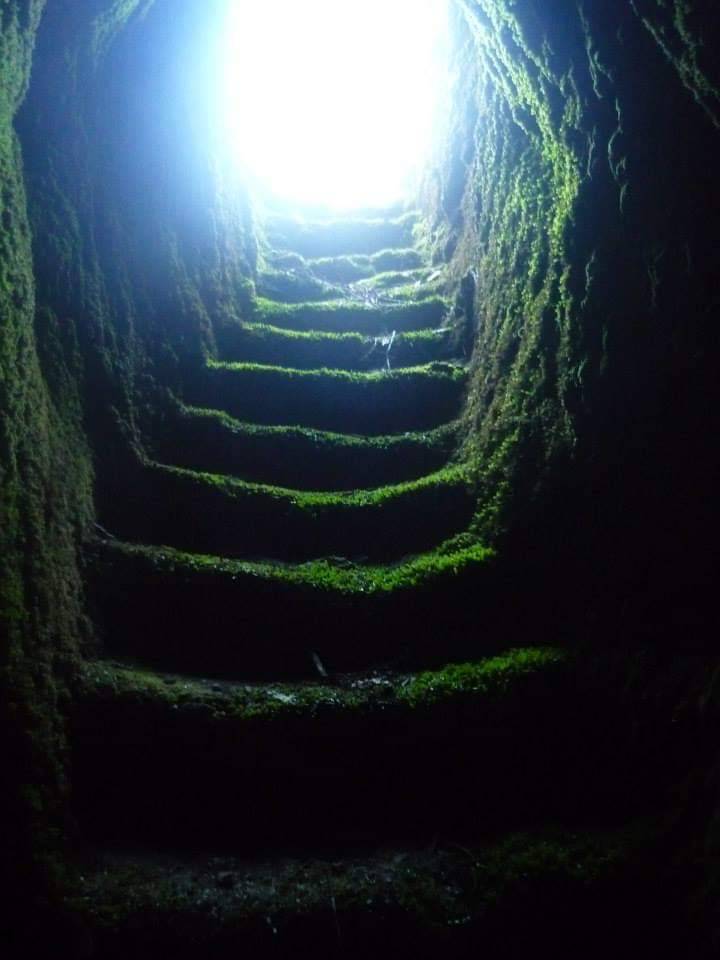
335, 575
247, 619
211, 440
375, 403
348, 315
234, 518
493, 678
382, 289
295, 286
336, 237
307, 349
453, 899
102, 684
509, 224
351, 268
406, 279
45, 507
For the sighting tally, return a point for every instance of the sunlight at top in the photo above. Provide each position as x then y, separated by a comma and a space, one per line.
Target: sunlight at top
333, 102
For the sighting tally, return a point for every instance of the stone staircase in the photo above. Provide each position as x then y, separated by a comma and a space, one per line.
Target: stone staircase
300, 738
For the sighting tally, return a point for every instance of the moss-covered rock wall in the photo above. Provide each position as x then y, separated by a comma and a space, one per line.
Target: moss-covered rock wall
45, 509
121, 244
577, 206
139, 244
577, 200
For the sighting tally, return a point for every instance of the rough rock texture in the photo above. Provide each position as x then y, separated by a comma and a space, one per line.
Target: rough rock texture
116, 289
44, 507
578, 201
577, 206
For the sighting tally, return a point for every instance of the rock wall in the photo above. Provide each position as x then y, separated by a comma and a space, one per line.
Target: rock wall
120, 247
577, 200
45, 508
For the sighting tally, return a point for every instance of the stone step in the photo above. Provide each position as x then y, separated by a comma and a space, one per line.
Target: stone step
262, 343
345, 761
216, 514
353, 316
348, 269
424, 279
371, 404
242, 620
328, 238
295, 286
306, 459
554, 891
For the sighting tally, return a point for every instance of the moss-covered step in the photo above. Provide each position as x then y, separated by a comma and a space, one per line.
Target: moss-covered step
390, 288
372, 404
350, 268
308, 349
266, 766
559, 892
295, 286
348, 316
215, 514
417, 278
329, 238
220, 617
205, 439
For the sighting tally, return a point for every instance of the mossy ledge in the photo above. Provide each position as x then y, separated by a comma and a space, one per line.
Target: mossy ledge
203, 439
265, 344
419, 278
350, 268
210, 513
496, 898
220, 617
337, 237
413, 398
295, 286
250, 747
350, 315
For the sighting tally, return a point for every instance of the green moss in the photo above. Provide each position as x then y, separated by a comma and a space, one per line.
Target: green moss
382, 289
337, 575
337, 237
671, 26
265, 344
108, 24
457, 899
106, 682
216, 514
157, 604
293, 286
506, 221
491, 678
45, 508
347, 315
212, 440
396, 278
351, 268
375, 403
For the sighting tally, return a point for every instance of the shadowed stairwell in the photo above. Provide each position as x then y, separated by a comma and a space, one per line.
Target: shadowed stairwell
275, 683
357, 594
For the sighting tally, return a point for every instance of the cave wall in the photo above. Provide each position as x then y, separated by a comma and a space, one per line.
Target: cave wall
576, 203
141, 241
123, 241
577, 200
45, 509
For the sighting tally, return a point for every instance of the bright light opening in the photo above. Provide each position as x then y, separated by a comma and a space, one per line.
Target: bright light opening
333, 102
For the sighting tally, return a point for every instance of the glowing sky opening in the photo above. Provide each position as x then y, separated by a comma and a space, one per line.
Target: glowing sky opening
333, 102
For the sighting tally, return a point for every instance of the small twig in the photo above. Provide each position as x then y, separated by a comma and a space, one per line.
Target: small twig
105, 533
389, 348
318, 664
337, 919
